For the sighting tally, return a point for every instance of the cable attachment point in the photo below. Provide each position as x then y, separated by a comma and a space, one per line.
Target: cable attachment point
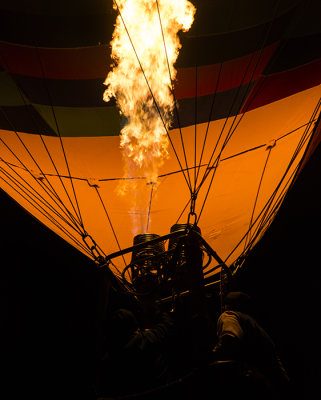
93, 247
270, 145
192, 209
93, 182
37, 174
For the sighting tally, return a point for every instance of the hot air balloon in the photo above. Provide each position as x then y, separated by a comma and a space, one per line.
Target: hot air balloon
247, 99
246, 119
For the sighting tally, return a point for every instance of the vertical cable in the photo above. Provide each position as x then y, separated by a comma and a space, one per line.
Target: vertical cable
44, 201
267, 206
174, 97
150, 205
77, 212
257, 196
51, 189
230, 132
38, 207
109, 220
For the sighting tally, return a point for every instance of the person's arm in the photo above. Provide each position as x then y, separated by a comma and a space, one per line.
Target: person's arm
153, 337
230, 336
161, 330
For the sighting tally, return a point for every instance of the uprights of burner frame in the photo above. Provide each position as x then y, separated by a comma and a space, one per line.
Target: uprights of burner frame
177, 269
152, 263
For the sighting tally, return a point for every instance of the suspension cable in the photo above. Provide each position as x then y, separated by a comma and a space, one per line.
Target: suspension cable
36, 195
268, 204
39, 209
212, 105
209, 121
38, 182
244, 152
230, 132
109, 220
77, 212
52, 190
257, 195
173, 94
150, 205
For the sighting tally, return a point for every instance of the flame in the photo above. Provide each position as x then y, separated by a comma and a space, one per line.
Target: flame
145, 46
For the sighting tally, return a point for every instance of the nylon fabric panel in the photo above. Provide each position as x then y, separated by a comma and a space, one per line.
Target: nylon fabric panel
92, 23
24, 119
274, 87
73, 63
96, 167
80, 121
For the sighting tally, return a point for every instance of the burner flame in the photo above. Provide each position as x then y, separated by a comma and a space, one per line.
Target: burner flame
145, 47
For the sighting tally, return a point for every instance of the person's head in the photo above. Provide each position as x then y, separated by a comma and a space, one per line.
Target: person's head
238, 301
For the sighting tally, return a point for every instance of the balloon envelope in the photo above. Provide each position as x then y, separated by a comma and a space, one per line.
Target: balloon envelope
248, 93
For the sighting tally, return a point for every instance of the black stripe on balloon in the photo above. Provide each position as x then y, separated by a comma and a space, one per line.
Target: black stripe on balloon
89, 92
24, 123
56, 30
222, 108
64, 93
292, 53
230, 45
26, 119
278, 86
59, 31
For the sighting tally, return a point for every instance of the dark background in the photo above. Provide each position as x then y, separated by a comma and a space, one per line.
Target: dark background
48, 296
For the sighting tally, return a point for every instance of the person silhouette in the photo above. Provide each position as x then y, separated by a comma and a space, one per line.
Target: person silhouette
241, 338
135, 357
